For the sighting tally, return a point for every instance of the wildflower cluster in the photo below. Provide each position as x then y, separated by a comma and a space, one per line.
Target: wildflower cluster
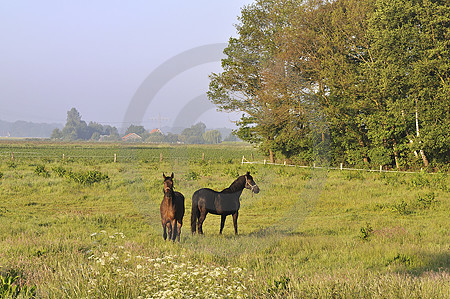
171, 276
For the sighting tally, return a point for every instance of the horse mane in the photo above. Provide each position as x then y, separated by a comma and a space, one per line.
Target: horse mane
237, 185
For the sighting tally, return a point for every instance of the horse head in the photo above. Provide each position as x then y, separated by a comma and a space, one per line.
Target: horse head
250, 183
168, 183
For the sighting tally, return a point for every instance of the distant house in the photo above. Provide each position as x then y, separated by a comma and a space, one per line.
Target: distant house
132, 137
156, 131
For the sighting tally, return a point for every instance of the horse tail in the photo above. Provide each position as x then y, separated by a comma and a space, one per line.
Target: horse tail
195, 213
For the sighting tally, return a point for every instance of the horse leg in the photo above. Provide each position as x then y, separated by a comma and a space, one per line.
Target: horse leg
169, 229
222, 222
200, 222
235, 217
179, 224
173, 223
195, 214
164, 230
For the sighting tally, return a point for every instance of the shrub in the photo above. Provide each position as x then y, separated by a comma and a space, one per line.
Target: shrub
192, 176
41, 171
426, 201
401, 208
87, 177
60, 171
231, 171
366, 232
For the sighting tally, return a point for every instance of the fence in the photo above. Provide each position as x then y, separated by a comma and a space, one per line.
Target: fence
114, 157
245, 161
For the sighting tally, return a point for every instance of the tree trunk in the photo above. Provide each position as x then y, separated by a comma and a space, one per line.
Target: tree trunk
271, 156
422, 152
397, 164
424, 158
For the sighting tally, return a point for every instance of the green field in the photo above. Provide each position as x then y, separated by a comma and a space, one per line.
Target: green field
76, 224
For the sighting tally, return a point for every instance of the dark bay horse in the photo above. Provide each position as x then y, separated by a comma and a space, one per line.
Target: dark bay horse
222, 203
172, 210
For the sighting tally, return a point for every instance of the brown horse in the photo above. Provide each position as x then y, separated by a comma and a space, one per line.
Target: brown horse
222, 203
172, 210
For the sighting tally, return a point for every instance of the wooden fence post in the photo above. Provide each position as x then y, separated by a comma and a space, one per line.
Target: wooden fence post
63, 157
381, 168
12, 156
342, 164
115, 158
160, 157
203, 156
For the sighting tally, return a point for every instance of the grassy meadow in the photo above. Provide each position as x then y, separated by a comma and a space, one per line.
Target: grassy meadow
76, 224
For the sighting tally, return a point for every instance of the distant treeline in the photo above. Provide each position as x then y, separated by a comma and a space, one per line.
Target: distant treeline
26, 129
77, 129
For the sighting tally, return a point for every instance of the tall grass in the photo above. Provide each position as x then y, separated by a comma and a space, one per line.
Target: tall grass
307, 234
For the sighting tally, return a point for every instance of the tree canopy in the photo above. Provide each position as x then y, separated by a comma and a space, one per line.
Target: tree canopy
352, 81
78, 129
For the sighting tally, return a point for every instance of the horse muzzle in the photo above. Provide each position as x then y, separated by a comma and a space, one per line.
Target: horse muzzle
255, 189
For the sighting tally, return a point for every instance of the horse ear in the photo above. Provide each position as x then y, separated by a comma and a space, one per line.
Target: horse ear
248, 173
164, 176
172, 175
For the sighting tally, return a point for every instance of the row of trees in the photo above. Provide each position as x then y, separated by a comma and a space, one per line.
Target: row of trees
353, 81
77, 129
196, 134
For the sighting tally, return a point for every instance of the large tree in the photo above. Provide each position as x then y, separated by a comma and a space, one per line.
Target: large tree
194, 134
408, 79
255, 79
77, 129
349, 80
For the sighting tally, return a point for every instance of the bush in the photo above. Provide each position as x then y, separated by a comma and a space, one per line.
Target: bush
366, 232
87, 177
41, 171
426, 201
192, 176
60, 171
401, 208
231, 171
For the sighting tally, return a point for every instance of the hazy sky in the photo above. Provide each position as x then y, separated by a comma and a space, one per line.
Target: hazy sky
96, 55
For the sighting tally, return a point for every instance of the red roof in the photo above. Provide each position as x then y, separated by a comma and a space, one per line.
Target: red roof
155, 131
131, 136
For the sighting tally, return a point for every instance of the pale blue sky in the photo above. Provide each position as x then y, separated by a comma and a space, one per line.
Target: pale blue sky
94, 55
